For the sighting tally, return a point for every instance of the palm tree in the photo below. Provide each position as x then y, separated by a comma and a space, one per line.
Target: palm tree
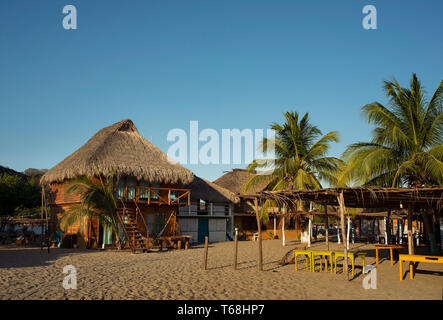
97, 202
407, 144
406, 148
301, 161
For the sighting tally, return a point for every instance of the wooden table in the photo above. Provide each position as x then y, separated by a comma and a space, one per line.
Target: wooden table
176, 241
352, 256
415, 258
321, 254
391, 248
307, 254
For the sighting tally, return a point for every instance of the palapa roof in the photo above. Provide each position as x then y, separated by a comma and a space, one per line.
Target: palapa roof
362, 197
234, 181
210, 192
119, 147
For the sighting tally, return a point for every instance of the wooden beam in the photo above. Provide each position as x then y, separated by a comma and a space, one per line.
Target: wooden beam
410, 240
327, 228
388, 227
205, 256
341, 202
260, 248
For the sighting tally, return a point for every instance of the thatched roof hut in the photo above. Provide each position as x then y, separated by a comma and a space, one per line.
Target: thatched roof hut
235, 180
210, 192
119, 147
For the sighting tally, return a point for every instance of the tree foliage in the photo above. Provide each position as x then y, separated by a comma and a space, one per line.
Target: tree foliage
17, 195
406, 148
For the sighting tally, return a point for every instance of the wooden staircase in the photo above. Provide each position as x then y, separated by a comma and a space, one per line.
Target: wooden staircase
134, 236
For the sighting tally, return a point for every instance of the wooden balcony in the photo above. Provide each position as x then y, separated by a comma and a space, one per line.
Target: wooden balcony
156, 195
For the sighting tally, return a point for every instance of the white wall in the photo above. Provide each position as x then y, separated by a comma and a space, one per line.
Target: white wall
217, 230
189, 227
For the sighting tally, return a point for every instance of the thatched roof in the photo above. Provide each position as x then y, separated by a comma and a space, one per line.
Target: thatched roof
361, 197
122, 148
210, 192
234, 181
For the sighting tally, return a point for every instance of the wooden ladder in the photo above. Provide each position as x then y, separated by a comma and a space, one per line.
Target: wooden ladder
129, 223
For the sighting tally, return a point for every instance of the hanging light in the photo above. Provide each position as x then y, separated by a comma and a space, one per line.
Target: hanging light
401, 205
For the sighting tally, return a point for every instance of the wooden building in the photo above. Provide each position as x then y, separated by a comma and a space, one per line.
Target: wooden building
148, 192
210, 212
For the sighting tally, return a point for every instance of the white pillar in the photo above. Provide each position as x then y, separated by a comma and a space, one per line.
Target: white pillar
309, 232
283, 232
441, 231
275, 226
338, 234
348, 232
386, 231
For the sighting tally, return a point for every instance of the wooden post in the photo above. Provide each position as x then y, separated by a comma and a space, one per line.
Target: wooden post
41, 217
260, 248
205, 257
341, 202
235, 248
410, 240
327, 228
388, 227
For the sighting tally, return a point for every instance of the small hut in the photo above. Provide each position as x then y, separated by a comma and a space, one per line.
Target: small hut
147, 188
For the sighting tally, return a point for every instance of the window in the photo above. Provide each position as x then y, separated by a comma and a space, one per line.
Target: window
202, 208
120, 192
131, 183
154, 196
227, 207
144, 192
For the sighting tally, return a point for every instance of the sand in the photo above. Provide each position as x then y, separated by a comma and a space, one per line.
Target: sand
29, 273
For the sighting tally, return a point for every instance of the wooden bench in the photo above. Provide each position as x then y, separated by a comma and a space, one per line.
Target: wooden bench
390, 247
416, 258
175, 241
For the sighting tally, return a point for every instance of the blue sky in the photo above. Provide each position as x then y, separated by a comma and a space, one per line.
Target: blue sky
227, 64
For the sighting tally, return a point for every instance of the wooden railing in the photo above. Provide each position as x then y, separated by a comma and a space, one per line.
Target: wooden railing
139, 214
153, 195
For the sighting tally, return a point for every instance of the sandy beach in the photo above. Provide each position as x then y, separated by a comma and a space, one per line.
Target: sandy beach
29, 273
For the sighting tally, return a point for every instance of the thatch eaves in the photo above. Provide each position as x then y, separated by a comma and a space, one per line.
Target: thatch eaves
235, 180
210, 192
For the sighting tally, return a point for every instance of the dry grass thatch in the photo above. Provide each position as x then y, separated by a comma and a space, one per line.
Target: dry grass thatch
361, 197
119, 147
210, 192
235, 180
